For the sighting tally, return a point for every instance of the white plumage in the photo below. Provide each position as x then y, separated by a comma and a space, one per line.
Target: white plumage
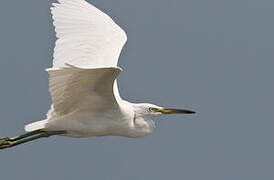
84, 66
86, 37
82, 81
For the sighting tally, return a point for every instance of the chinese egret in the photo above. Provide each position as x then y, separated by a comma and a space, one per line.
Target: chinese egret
82, 81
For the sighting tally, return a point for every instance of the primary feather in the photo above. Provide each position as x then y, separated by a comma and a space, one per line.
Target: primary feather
86, 36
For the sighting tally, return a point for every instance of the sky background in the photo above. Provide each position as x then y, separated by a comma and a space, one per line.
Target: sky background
213, 56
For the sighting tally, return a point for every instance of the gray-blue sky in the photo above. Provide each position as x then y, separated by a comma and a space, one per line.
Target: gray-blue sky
213, 56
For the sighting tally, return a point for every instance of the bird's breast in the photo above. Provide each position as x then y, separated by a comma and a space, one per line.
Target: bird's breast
85, 124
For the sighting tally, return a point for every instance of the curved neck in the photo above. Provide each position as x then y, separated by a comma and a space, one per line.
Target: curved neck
143, 127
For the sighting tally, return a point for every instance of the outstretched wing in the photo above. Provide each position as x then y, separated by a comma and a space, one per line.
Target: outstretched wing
86, 36
85, 60
78, 89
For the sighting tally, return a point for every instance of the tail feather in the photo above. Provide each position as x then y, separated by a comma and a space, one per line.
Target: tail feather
36, 125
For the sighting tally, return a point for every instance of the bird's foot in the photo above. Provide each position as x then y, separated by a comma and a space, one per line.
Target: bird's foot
5, 142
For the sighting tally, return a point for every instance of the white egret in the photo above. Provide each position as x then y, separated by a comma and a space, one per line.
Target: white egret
82, 81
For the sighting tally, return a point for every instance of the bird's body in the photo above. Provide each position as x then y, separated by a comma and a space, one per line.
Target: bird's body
82, 81
105, 122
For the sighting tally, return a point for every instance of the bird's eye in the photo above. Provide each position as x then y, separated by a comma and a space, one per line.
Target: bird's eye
151, 109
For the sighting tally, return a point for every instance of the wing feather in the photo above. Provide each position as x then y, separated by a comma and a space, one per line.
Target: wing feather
86, 37
77, 89
85, 58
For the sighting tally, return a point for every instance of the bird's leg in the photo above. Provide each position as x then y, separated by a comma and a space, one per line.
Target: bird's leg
25, 135
7, 142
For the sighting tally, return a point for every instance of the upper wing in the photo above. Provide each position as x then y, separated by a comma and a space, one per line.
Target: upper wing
91, 42
78, 89
86, 37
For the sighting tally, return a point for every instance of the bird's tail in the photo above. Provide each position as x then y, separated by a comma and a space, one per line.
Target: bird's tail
36, 125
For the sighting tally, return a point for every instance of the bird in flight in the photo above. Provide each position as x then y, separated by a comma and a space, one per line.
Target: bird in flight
82, 81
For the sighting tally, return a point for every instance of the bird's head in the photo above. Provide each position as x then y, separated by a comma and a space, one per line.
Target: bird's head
143, 114
151, 110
